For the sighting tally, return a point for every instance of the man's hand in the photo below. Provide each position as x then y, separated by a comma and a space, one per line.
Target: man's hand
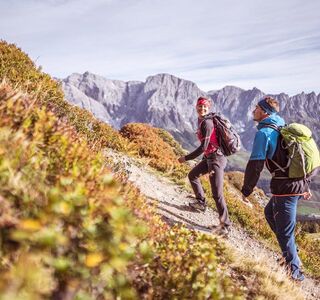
307, 196
246, 201
182, 159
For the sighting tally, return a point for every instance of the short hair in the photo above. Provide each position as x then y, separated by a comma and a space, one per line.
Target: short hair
273, 103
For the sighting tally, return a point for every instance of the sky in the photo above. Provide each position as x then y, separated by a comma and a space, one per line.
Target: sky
272, 45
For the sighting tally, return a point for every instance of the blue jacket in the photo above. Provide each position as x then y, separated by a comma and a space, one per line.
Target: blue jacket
266, 139
266, 149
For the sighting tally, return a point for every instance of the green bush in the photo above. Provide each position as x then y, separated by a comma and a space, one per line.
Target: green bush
63, 216
188, 265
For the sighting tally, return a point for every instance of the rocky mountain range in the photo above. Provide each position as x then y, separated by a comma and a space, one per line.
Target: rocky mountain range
168, 102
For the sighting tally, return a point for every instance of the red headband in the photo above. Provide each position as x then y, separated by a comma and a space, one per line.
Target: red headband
203, 101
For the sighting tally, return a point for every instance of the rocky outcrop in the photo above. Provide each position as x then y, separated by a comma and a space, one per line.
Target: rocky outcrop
166, 101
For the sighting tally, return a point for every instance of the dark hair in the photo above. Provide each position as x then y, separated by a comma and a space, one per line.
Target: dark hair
273, 103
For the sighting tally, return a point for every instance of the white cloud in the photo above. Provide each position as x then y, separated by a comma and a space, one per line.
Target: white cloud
272, 45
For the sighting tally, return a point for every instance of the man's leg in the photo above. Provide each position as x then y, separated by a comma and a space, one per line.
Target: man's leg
285, 209
216, 167
269, 214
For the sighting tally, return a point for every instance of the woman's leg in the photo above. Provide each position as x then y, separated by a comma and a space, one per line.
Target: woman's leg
216, 166
194, 178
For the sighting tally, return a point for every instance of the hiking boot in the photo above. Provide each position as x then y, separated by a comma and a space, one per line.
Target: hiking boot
297, 275
198, 204
221, 230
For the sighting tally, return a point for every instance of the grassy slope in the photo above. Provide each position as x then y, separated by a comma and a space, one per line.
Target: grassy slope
65, 218
65, 226
251, 219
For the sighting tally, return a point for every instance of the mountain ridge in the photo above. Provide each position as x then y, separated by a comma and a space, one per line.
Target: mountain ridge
167, 101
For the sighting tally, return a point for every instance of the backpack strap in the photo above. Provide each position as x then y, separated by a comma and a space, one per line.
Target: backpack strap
273, 126
280, 168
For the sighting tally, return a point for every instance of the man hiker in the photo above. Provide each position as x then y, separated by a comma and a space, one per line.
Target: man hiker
281, 210
213, 162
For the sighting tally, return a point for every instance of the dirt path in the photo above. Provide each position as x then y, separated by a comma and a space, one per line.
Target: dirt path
172, 205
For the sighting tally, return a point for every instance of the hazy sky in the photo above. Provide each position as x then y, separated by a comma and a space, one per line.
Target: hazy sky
272, 45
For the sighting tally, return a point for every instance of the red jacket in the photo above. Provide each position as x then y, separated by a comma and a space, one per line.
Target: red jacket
207, 135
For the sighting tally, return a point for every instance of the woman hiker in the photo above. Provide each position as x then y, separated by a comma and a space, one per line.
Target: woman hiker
213, 162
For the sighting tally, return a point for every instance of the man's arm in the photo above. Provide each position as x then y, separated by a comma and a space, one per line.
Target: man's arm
255, 164
251, 176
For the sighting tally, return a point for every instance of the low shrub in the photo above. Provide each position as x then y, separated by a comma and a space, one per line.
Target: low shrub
63, 218
152, 143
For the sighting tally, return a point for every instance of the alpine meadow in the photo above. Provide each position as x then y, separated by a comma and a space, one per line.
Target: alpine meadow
73, 226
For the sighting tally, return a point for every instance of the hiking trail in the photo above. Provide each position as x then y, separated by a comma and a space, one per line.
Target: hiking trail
173, 207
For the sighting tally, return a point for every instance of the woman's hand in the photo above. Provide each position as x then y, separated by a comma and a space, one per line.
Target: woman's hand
182, 159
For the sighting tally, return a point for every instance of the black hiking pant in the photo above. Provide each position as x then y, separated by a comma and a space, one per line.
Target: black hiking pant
214, 164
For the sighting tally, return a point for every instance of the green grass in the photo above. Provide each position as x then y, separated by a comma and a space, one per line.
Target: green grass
307, 207
239, 160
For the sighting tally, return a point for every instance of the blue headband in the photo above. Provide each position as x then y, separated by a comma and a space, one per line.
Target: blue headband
266, 107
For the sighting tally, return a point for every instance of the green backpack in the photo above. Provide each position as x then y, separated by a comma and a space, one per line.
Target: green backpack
303, 153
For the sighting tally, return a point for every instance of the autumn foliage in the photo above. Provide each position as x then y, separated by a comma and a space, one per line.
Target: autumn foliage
62, 218
70, 228
17, 69
156, 145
